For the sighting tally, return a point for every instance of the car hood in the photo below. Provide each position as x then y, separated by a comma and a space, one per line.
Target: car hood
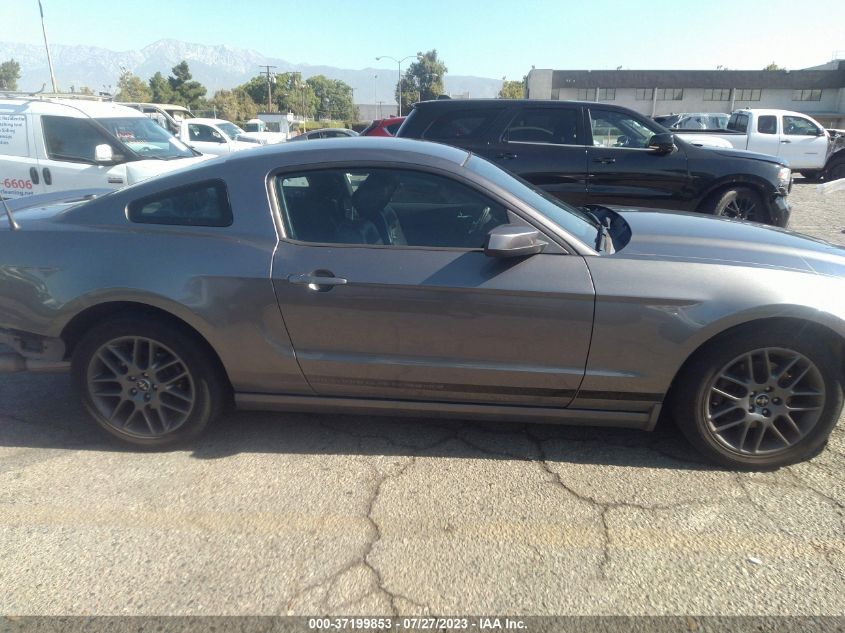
700, 238
741, 153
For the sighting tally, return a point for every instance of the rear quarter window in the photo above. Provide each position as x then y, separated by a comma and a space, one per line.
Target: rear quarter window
461, 124
200, 204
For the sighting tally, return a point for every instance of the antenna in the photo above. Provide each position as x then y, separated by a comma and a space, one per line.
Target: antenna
12, 224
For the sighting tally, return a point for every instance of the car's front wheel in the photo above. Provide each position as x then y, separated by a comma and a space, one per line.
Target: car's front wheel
147, 383
738, 203
760, 398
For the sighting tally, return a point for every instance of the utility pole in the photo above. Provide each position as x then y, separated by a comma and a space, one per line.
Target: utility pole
270, 77
47, 46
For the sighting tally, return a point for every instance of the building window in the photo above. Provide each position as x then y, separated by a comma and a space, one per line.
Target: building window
670, 94
556, 94
607, 94
806, 95
717, 94
747, 94
645, 94
586, 94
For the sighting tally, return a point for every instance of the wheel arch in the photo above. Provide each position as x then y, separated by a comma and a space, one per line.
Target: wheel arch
75, 329
827, 333
718, 188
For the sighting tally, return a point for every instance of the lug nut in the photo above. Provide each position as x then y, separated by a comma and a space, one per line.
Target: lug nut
131, 377
147, 397
776, 400
134, 392
766, 412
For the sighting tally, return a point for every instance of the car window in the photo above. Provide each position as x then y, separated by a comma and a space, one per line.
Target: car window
75, 139
738, 123
798, 126
200, 204
767, 124
617, 129
204, 133
462, 124
393, 127
385, 207
554, 126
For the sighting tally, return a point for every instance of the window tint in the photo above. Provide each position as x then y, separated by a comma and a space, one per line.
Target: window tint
461, 124
204, 133
201, 204
670, 94
394, 127
747, 94
806, 95
738, 122
717, 94
586, 94
617, 129
385, 207
798, 126
556, 126
767, 124
645, 94
75, 140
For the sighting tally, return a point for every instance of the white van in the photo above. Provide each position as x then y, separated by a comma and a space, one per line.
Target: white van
50, 144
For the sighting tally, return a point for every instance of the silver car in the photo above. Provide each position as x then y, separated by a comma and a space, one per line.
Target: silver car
398, 277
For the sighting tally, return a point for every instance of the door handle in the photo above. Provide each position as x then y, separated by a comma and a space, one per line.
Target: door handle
786, 140
506, 155
33, 175
48, 177
319, 280
605, 160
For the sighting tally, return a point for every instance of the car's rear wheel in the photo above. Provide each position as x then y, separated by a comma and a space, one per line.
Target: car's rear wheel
835, 171
760, 399
739, 203
147, 382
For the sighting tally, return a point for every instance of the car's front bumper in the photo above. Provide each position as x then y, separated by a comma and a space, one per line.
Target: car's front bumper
779, 210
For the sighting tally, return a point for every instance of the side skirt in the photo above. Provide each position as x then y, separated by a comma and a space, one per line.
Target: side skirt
357, 406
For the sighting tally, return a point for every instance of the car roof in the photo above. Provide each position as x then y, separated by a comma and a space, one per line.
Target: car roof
79, 108
447, 104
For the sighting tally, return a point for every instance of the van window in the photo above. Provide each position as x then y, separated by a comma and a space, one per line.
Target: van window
74, 140
199, 204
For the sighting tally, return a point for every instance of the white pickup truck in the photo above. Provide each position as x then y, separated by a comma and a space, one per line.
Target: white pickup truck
795, 137
213, 136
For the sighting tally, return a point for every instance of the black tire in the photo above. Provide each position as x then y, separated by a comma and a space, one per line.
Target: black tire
741, 203
692, 401
811, 176
835, 171
164, 422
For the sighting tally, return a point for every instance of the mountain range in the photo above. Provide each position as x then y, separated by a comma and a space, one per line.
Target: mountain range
216, 67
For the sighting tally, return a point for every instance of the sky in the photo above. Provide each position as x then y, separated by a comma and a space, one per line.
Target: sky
492, 38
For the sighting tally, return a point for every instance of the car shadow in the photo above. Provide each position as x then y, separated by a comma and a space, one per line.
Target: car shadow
41, 411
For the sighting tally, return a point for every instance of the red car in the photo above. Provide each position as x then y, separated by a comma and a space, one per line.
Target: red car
384, 127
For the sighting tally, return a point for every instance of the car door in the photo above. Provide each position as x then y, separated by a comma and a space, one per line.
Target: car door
66, 150
376, 309
802, 143
624, 171
767, 138
19, 176
207, 140
545, 146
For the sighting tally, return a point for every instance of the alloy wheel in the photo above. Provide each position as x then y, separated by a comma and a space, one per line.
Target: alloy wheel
765, 401
140, 387
741, 208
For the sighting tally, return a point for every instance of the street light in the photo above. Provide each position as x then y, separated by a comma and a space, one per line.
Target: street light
399, 62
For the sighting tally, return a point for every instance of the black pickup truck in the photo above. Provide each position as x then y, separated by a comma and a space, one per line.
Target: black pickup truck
596, 153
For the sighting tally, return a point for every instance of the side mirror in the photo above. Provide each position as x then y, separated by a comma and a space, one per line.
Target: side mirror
663, 143
103, 153
511, 240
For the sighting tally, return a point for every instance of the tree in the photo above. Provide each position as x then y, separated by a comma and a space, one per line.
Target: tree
186, 90
423, 79
132, 88
512, 89
160, 89
773, 66
10, 72
234, 105
333, 98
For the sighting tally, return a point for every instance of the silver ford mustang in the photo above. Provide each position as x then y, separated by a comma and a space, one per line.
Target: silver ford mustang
385, 276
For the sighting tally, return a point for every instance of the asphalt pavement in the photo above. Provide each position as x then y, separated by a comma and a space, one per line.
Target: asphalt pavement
325, 514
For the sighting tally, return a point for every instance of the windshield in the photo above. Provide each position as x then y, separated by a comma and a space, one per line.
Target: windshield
230, 130
147, 139
569, 218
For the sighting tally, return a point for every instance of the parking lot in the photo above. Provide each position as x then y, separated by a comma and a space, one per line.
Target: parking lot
312, 514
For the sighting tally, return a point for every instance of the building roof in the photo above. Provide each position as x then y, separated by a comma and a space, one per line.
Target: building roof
795, 79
